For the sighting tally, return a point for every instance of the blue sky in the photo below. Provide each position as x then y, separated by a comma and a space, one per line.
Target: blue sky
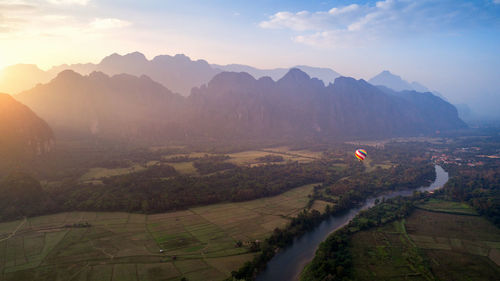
449, 46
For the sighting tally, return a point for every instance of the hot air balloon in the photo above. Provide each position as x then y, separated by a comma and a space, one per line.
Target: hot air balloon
361, 154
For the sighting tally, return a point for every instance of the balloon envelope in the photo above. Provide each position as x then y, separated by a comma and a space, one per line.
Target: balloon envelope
361, 154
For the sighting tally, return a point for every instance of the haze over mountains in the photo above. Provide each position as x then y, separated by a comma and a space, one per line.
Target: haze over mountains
327, 75
22, 132
234, 105
396, 83
178, 73
121, 107
20, 77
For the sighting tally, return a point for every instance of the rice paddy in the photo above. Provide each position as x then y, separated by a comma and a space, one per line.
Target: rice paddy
437, 243
196, 244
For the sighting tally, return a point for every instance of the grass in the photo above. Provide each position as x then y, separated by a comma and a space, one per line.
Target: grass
99, 173
370, 166
185, 168
444, 242
123, 246
155, 272
437, 205
320, 205
249, 158
386, 254
245, 158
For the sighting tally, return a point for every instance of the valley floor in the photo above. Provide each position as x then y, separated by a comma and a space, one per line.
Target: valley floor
197, 244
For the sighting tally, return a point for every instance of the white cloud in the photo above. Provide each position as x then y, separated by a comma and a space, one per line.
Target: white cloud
296, 21
360, 23
69, 2
342, 10
496, 1
108, 23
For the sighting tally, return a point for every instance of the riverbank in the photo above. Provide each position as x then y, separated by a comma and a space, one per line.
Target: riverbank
298, 254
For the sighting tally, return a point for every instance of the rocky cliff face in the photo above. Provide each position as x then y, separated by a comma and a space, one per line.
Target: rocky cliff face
22, 132
235, 104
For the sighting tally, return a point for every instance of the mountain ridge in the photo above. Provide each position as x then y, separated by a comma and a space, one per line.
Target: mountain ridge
178, 72
235, 105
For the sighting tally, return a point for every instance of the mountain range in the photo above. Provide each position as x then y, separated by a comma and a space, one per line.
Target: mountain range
235, 105
178, 73
297, 105
326, 75
396, 83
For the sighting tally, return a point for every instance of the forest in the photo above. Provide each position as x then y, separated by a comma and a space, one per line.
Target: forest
366, 184
475, 186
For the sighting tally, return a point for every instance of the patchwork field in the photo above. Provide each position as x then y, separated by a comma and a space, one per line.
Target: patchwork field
430, 245
370, 166
99, 173
250, 158
246, 158
196, 244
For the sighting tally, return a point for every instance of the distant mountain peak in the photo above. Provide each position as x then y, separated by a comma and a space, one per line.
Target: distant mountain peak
398, 84
98, 75
295, 75
136, 54
349, 84
68, 74
182, 56
133, 57
390, 80
229, 80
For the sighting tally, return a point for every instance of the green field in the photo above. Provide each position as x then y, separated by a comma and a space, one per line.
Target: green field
198, 243
437, 205
370, 166
249, 158
99, 173
320, 205
185, 168
429, 245
245, 158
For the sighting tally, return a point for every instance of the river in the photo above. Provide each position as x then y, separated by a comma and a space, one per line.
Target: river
289, 262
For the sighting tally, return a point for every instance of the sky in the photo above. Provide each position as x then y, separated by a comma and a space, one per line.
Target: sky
450, 46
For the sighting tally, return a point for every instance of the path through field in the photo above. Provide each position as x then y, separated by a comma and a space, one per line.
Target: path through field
15, 231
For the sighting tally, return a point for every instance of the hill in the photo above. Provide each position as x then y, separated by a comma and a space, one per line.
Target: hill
122, 107
20, 77
22, 133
